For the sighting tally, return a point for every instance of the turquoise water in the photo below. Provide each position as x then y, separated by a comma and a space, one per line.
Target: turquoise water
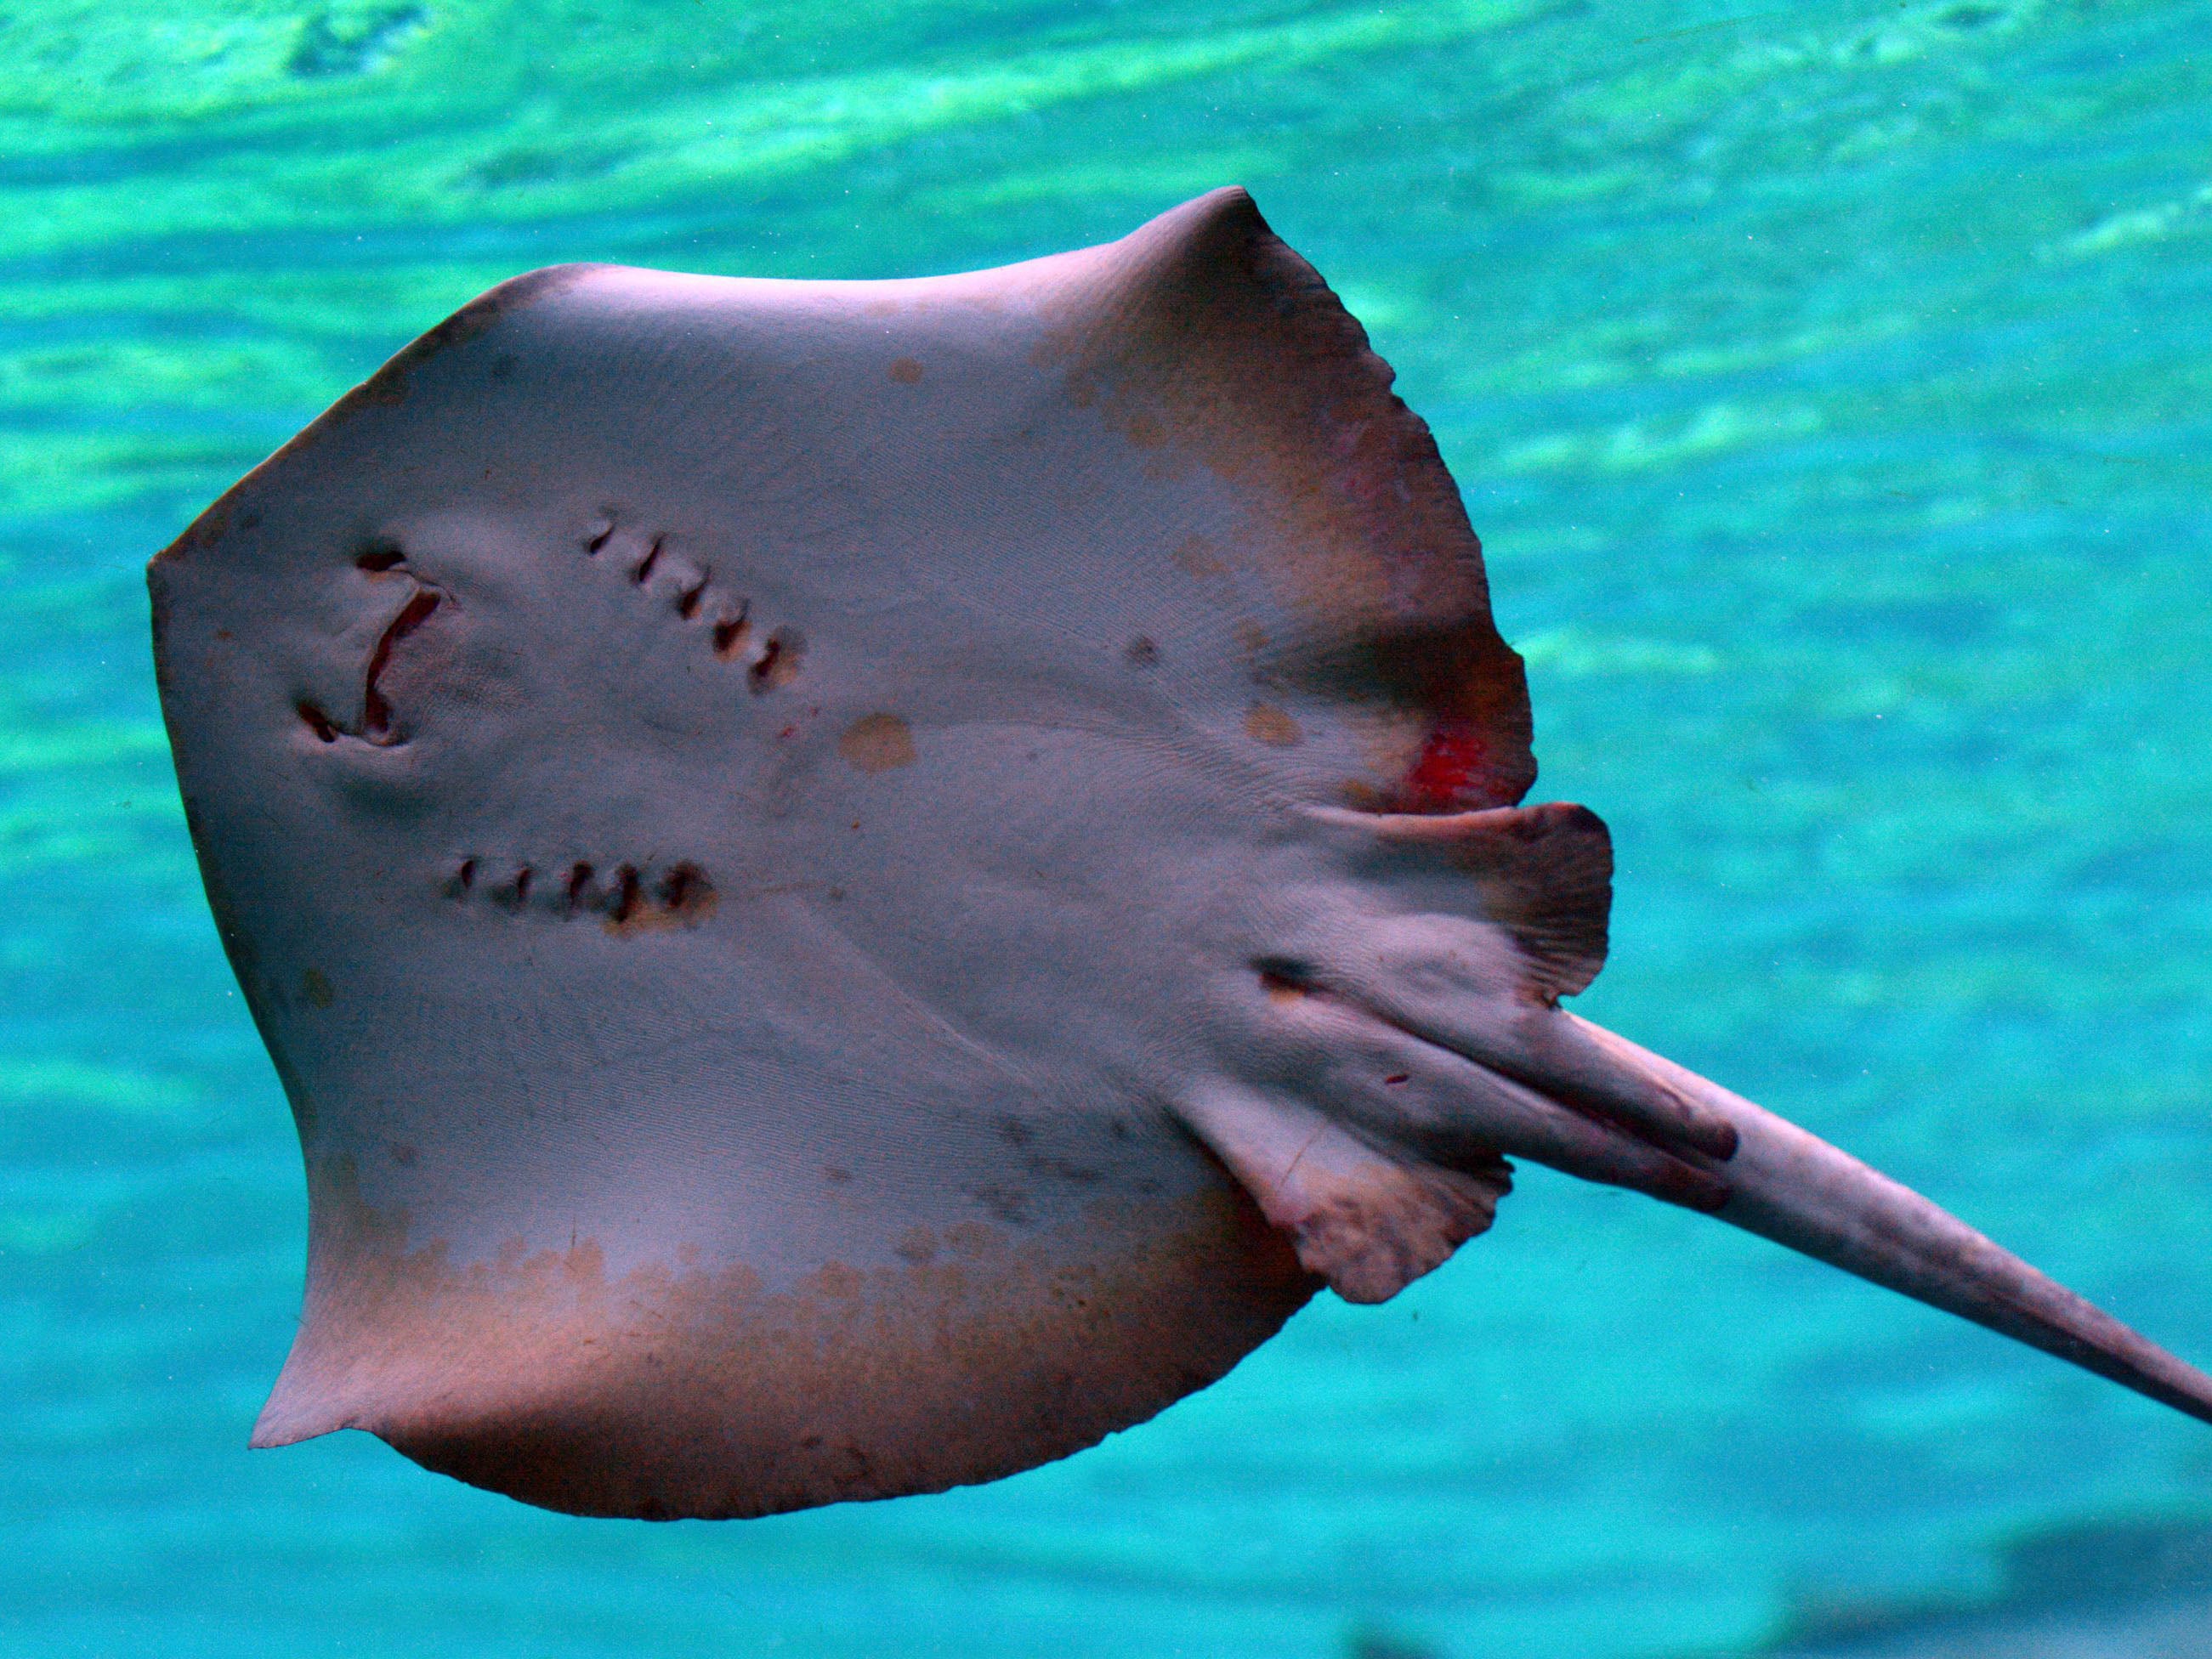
1832, 385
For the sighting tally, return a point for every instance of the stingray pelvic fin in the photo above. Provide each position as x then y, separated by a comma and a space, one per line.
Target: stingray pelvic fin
1367, 1220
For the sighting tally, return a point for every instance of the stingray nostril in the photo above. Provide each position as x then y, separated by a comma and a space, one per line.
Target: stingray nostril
315, 721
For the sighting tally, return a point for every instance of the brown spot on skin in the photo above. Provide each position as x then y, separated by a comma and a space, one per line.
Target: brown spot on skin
1251, 638
316, 989
1361, 796
404, 1154
1060, 1169
835, 1279
969, 1239
877, 743
670, 1392
1143, 652
906, 371
1199, 557
1009, 1205
1269, 725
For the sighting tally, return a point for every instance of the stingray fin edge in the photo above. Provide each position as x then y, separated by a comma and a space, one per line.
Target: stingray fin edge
1216, 337
228, 514
662, 1393
1368, 1221
1543, 874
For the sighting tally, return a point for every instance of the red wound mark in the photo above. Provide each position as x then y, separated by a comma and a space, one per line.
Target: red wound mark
1453, 765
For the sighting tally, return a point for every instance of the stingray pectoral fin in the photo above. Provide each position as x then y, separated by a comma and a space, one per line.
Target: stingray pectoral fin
671, 1389
1791, 1187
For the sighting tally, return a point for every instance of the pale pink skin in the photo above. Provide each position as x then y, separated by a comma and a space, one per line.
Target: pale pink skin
857, 885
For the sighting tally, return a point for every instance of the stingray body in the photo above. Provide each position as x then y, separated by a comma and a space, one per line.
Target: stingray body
854, 886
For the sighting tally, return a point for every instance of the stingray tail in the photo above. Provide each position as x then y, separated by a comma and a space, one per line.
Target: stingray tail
1797, 1190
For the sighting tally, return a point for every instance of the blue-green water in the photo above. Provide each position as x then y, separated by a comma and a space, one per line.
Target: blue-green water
1832, 385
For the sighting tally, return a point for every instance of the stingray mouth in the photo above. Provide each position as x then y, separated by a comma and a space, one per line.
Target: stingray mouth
1526, 1082
376, 726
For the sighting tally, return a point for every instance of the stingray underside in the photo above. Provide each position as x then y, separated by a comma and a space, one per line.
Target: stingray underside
720, 796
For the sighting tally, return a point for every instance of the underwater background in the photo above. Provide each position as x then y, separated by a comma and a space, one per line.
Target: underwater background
1832, 387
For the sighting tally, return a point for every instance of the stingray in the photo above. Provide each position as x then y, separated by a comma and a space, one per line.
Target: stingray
857, 885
